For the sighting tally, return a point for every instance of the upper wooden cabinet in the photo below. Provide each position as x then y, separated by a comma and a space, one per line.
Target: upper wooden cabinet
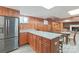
9, 12
57, 26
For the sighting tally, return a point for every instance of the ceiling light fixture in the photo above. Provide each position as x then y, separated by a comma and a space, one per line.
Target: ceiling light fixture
66, 21
48, 6
74, 12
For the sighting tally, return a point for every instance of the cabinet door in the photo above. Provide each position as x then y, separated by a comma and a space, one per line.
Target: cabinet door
17, 14
55, 45
39, 44
9, 12
34, 39
6, 12
45, 45
14, 13
23, 39
56, 26
30, 39
1, 11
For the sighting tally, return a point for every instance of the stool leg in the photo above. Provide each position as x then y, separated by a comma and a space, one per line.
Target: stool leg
74, 41
61, 49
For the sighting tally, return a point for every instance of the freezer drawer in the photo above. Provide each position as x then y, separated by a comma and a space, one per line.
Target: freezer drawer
1, 46
16, 43
10, 44
1, 36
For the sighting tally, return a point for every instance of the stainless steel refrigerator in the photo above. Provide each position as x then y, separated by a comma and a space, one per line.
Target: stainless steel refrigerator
8, 34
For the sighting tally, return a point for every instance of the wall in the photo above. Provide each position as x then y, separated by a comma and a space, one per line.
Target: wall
67, 24
39, 11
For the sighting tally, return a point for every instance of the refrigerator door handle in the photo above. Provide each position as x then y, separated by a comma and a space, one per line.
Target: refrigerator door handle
7, 26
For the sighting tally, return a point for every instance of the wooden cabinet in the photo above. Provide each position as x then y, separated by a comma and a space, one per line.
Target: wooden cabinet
30, 39
14, 13
34, 42
3, 11
39, 45
55, 45
57, 26
43, 45
46, 45
9, 12
23, 38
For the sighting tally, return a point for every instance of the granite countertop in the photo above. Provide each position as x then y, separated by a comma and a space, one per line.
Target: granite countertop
48, 35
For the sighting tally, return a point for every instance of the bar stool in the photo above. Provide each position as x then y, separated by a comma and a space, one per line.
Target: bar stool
61, 44
72, 37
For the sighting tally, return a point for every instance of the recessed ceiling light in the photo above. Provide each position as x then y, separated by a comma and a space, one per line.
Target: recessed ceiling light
74, 12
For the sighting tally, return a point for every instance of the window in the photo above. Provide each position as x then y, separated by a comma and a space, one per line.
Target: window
45, 22
23, 19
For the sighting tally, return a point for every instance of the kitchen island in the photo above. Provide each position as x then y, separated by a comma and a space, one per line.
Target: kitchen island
43, 42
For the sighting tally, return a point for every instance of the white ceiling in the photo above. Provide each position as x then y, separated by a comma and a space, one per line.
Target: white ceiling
38, 11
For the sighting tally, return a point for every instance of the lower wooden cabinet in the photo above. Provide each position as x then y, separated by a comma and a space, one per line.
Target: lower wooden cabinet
55, 45
23, 38
34, 40
43, 45
39, 44
30, 39
46, 45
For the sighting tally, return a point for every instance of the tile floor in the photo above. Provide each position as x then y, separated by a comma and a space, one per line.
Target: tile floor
23, 49
69, 48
